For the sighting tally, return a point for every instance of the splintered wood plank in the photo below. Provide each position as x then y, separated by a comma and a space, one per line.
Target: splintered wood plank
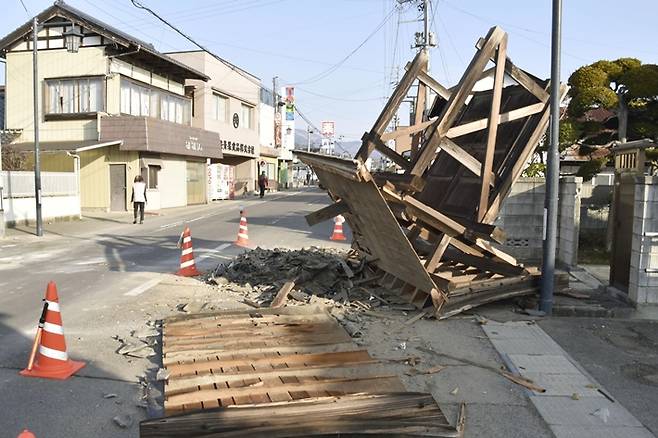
437, 254
282, 296
374, 414
249, 375
326, 213
195, 368
346, 386
190, 357
494, 120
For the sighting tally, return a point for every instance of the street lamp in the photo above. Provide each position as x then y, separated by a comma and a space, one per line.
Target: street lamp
72, 40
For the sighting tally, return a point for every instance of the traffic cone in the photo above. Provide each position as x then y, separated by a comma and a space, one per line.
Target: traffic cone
187, 266
52, 361
26, 434
338, 228
243, 231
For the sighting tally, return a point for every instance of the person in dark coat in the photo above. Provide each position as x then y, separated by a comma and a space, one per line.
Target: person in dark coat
262, 183
138, 198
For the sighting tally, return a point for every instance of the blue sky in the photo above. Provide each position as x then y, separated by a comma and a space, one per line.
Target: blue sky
301, 40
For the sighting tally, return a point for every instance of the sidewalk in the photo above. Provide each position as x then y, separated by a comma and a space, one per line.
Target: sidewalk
573, 404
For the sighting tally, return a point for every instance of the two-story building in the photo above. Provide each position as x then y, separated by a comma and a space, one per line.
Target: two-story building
110, 107
227, 103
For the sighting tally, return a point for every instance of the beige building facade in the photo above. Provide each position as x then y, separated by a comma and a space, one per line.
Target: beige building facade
113, 110
227, 103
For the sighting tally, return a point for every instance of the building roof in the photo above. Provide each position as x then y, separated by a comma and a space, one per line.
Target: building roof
146, 53
212, 55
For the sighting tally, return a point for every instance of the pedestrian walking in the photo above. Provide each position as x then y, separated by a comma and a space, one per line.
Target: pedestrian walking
138, 198
262, 183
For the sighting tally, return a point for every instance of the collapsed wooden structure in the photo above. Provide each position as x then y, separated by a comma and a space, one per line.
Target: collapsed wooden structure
429, 225
284, 372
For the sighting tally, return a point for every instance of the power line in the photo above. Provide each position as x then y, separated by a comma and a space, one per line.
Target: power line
336, 66
25, 7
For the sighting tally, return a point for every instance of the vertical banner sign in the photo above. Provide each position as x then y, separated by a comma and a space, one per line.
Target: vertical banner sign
277, 129
290, 103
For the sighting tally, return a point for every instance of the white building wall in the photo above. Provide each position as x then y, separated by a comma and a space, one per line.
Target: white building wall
266, 131
172, 182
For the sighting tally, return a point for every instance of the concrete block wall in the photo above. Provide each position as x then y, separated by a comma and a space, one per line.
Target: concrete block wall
522, 219
643, 279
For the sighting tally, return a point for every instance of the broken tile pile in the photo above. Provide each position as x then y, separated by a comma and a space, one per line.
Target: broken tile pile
322, 272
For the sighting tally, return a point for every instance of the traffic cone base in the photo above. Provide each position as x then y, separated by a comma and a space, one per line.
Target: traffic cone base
243, 233
338, 229
62, 372
187, 265
52, 361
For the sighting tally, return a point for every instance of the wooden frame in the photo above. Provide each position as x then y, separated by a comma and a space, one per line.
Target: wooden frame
466, 154
256, 373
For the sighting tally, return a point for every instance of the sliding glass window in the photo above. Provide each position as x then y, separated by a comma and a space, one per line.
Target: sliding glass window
74, 96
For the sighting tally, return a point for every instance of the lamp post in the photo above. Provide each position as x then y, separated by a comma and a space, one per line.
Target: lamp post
72, 41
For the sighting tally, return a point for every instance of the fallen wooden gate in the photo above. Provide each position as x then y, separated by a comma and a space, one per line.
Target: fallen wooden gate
291, 371
429, 224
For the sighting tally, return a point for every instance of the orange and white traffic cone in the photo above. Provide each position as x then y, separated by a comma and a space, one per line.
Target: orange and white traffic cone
187, 265
26, 434
52, 361
338, 228
243, 231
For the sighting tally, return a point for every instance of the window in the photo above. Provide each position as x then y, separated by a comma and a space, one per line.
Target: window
247, 112
153, 177
220, 108
141, 100
71, 96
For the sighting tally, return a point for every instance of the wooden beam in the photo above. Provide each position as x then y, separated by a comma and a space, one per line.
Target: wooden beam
326, 213
478, 125
464, 158
522, 78
417, 65
421, 101
407, 130
502, 255
492, 135
456, 102
428, 80
439, 249
383, 149
281, 296
432, 217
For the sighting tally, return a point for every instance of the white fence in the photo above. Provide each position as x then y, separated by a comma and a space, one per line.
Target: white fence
59, 196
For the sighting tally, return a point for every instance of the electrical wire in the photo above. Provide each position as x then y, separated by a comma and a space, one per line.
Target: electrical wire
25, 7
336, 66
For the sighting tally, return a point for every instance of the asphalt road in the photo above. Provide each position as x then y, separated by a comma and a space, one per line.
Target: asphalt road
105, 269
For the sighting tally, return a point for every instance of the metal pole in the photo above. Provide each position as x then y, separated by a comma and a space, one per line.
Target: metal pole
37, 161
553, 169
308, 139
426, 27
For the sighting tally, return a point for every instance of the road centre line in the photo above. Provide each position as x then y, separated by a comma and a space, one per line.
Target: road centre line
142, 288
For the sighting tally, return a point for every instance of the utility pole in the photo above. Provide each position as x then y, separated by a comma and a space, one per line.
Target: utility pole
37, 161
309, 131
553, 169
275, 101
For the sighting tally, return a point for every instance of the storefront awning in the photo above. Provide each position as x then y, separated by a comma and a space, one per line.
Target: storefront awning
146, 134
63, 146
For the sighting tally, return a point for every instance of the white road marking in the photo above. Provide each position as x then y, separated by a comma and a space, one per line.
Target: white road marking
8, 246
95, 261
213, 252
142, 288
